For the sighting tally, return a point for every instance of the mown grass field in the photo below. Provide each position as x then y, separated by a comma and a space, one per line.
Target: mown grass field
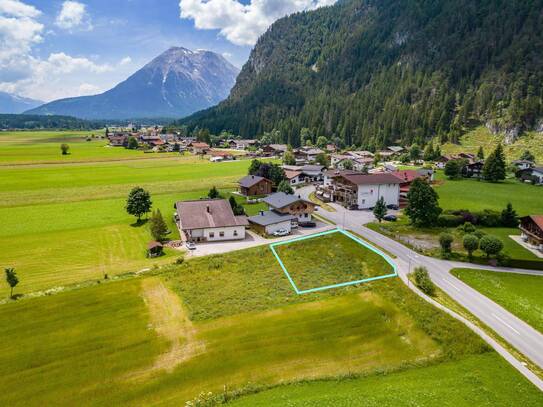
476, 380
65, 223
135, 342
337, 259
24, 147
519, 293
478, 195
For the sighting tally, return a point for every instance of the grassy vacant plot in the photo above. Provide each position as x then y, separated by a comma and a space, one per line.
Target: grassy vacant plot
478, 195
64, 223
135, 342
336, 259
520, 294
476, 380
481, 137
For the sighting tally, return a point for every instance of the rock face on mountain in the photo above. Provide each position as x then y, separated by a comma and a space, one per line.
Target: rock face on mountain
374, 72
10, 103
174, 84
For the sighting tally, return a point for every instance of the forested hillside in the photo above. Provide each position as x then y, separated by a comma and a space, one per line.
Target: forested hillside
374, 72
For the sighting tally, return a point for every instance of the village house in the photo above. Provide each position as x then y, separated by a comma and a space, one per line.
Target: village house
269, 222
331, 148
533, 175
253, 185
407, 177
197, 147
358, 163
220, 155
306, 155
303, 174
288, 204
241, 144
523, 164
274, 150
118, 140
473, 169
395, 149
361, 191
209, 220
531, 228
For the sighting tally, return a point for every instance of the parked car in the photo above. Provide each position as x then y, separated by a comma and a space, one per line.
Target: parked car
308, 224
281, 232
393, 207
390, 218
190, 245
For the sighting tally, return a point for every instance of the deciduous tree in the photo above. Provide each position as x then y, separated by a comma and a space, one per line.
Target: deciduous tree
11, 278
422, 207
285, 187
138, 202
490, 245
470, 243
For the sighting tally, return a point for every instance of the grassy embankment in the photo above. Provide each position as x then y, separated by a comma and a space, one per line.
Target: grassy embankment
518, 293
64, 223
239, 324
481, 137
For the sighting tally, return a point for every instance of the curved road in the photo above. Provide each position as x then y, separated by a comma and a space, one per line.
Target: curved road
516, 332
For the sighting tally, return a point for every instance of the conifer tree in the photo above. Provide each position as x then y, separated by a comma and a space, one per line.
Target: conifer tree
494, 167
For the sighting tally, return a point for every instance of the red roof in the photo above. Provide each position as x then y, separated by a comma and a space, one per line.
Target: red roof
372, 179
199, 145
406, 175
538, 220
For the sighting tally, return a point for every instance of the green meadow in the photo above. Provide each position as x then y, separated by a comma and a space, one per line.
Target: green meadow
63, 219
521, 294
478, 195
340, 259
24, 147
220, 325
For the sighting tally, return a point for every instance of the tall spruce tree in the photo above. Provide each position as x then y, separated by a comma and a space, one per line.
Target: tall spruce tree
380, 209
494, 167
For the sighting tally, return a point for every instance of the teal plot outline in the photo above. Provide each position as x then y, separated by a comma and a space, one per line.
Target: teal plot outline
327, 287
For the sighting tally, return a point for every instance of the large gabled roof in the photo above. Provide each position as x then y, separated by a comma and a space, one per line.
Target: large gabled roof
249, 180
372, 179
207, 213
280, 200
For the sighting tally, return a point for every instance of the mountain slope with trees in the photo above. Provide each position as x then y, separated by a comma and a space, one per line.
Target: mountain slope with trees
374, 72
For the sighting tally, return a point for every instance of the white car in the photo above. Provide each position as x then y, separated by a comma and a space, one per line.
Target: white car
190, 246
281, 232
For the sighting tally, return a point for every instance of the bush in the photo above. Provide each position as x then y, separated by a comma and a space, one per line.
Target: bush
470, 243
445, 241
450, 221
424, 282
479, 234
467, 227
180, 260
488, 218
491, 245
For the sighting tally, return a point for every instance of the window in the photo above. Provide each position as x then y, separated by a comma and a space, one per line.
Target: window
235, 232
221, 234
211, 235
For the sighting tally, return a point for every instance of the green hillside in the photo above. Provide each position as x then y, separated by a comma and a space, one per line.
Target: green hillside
374, 72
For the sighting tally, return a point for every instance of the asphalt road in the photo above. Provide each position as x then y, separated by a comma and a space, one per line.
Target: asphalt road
516, 332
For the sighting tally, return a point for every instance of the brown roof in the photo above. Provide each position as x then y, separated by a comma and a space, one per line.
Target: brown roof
249, 180
199, 145
406, 175
292, 173
370, 179
153, 244
538, 220
207, 213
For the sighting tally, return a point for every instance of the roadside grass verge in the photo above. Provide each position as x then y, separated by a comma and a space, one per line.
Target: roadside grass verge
426, 240
313, 198
475, 380
520, 294
335, 259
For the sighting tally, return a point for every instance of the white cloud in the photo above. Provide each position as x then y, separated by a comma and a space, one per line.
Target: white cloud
125, 61
56, 76
73, 14
239, 23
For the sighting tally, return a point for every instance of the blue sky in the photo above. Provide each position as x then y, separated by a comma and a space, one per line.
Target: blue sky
58, 48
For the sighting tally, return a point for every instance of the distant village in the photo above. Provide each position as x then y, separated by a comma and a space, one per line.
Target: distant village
353, 179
